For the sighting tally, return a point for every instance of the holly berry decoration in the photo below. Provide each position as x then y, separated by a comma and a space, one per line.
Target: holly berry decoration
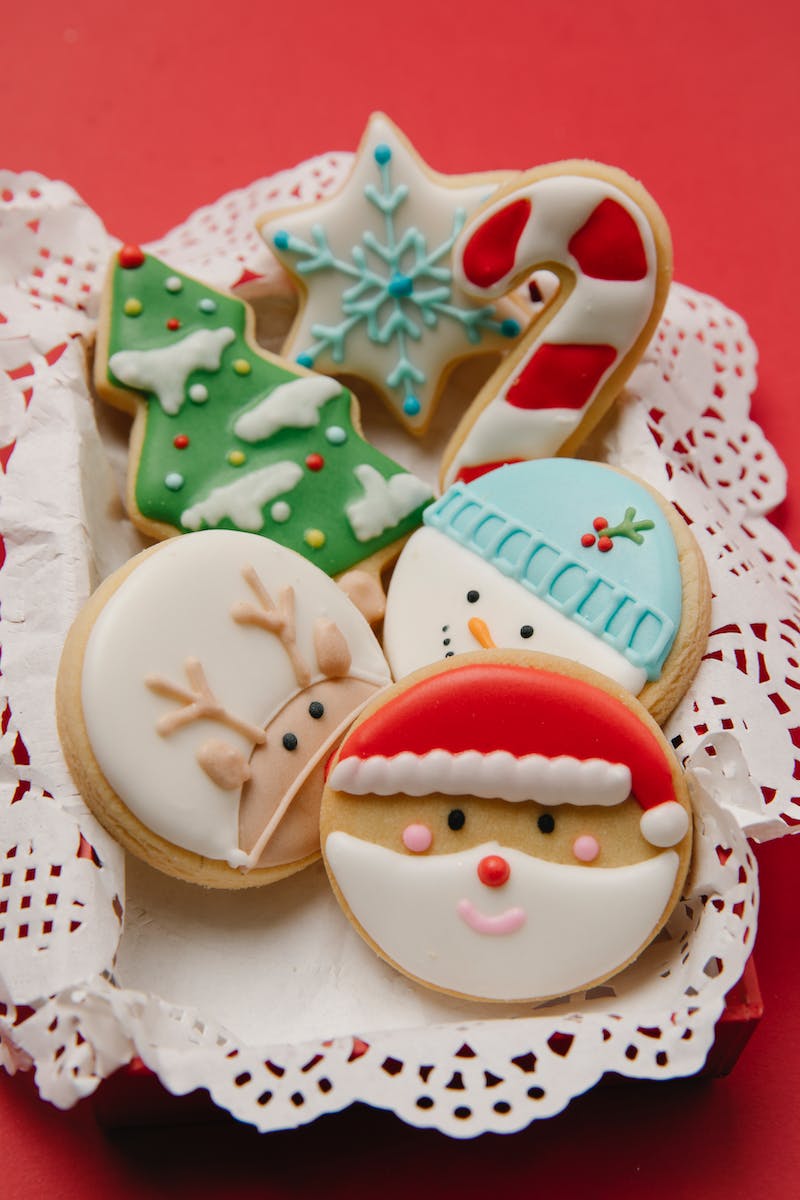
604, 533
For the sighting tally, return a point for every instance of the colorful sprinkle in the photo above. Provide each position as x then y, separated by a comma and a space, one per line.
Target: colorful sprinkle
304, 360
173, 323
174, 481
336, 435
280, 512
315, 462
132, 307
181, 441
130, 257
236, 458
207, 305
173, 283
587, 540
241, 366
198, 392
314, 538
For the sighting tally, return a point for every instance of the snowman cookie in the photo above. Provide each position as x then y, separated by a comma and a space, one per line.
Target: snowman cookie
200, 695
561, 556
506, 827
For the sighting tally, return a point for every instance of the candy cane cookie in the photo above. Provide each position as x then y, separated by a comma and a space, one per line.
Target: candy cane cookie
605, 239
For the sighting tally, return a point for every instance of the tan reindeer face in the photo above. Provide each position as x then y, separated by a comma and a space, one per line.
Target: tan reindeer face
207, 654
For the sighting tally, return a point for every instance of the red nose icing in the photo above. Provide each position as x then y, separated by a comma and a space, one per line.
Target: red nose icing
493, 871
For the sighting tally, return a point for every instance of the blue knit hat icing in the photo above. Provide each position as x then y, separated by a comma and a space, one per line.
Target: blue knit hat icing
528, 519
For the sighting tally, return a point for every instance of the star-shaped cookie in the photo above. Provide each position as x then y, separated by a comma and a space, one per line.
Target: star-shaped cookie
378, 300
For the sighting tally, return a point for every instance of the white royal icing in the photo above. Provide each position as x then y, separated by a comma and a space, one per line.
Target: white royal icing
427, 612
596, 312
385, 501
164, 370
243, 501
496, 775
665, 825
580, 923
176, 605
293, 405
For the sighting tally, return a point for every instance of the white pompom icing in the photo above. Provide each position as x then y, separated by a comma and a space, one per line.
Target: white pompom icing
665, 825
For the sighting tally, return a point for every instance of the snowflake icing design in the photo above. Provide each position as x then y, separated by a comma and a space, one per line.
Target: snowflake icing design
401, 288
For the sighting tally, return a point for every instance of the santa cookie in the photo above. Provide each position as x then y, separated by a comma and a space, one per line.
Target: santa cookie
506, 827
228, 436
379, 301
200, 694
564, 556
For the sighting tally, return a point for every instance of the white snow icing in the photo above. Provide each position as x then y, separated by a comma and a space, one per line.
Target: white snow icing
164, 371
385, 501
293, 405
243, 500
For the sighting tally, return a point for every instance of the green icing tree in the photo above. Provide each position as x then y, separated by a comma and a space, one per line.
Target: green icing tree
230, 436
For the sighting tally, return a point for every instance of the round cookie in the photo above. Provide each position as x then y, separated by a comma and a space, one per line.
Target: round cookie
506, 827
200, 694
562, 556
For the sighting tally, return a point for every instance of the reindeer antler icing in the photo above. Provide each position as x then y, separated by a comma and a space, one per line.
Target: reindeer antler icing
279, 620
198, 704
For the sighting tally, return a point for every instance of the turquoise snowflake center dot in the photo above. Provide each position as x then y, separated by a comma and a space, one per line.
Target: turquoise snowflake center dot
382, 154
411, 406
509, 327
400, 285
281, 240
305, 360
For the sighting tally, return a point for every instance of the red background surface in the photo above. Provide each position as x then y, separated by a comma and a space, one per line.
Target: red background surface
151, 111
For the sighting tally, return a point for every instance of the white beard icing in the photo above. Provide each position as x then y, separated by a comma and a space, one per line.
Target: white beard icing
580, 923
429, 591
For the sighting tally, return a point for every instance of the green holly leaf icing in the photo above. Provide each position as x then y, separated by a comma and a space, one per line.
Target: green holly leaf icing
237, 438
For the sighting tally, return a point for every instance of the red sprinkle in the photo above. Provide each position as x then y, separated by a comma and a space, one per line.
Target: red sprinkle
173, 323
315, 462
181, 441
605, 544
130, 256
493, 871
600, 523
588, 539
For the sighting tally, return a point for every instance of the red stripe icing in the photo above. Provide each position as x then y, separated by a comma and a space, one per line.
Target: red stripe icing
467, 474
490, 252
560, 376
609, 245
501, 706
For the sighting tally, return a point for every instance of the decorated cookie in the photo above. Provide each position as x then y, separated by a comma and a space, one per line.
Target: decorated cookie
564, 556
200, 695
229, 436
506, 827
602, 235
379, 300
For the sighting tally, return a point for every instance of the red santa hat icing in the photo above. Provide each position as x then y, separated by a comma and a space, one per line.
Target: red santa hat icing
502, 731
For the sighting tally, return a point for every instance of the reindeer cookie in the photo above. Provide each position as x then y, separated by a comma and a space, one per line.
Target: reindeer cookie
200, 695
507, 827
560, 556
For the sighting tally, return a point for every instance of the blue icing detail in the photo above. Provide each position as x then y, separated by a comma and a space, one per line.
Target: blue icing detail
281, 240
509, 327
411, 406
538, 512
383, 154
336, 435
304, 360
173, 481
400, 285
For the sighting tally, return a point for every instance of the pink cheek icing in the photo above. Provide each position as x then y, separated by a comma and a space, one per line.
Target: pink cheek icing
586, 848
417, 838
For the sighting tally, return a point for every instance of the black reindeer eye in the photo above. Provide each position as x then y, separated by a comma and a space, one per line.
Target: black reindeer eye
456, 818
316, 709
546, 823
526, 631
290, 741
472, 596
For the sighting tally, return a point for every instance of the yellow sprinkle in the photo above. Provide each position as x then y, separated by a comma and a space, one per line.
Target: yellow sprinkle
241, 366
132, 307
314, 538
236, 458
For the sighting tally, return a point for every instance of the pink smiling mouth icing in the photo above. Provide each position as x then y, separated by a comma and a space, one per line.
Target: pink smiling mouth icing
506, 922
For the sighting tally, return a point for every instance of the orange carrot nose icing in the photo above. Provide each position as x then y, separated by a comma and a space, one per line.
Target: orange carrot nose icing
480, 631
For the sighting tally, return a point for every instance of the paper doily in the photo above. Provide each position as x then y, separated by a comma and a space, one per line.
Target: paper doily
71, 1001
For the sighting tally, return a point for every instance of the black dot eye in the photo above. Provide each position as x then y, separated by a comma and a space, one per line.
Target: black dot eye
316, 709
472, 596
456, 819
526, 631
290, 741
546, 822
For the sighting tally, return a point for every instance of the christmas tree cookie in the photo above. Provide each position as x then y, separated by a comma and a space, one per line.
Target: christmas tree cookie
229, 436
373, 263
